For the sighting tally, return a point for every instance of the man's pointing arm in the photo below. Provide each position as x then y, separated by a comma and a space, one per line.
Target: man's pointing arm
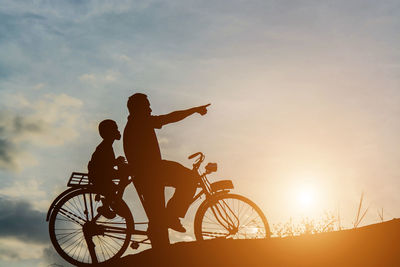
182, 114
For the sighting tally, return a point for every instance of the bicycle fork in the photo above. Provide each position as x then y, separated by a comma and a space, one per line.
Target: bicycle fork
91, 246
90, 229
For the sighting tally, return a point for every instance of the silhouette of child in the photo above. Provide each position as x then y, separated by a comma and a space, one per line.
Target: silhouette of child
101, 167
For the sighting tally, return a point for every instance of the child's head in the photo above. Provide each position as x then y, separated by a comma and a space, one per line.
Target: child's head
108, 130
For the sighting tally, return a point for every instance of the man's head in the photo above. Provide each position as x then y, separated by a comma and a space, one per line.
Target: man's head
108, 130
139, 105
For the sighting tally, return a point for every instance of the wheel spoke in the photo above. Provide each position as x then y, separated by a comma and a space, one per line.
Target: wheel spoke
69, 214
230, 216
103, 240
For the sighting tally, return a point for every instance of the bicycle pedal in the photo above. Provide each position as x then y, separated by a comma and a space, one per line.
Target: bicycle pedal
135, 245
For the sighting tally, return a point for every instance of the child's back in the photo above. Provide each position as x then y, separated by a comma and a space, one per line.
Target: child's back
101, 166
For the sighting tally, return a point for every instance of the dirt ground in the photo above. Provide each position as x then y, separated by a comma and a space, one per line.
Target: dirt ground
373, 245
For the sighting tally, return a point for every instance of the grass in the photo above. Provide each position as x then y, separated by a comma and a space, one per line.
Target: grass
328, 222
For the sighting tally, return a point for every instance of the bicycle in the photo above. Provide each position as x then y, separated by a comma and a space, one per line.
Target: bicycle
82, 236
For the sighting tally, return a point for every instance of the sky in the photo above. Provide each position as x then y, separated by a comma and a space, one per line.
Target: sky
304, 95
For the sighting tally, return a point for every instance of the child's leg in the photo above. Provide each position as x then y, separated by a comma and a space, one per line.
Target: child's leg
109, 192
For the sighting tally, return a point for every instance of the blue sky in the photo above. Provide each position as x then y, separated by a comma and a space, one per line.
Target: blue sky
303, 93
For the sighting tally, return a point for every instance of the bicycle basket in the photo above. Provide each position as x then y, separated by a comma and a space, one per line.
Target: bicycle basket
78, 179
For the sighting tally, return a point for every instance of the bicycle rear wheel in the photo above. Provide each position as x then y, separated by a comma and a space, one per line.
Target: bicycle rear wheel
82, 236
230, 216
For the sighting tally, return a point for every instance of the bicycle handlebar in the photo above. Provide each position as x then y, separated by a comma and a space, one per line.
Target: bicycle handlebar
195, 155
197, 163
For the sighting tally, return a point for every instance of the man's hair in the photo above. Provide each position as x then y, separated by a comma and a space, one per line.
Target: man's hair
136, 102
105, 126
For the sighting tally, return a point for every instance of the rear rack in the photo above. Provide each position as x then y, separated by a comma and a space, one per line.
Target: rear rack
78, 179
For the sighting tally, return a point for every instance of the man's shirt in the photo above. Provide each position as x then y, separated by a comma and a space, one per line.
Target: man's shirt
140, 142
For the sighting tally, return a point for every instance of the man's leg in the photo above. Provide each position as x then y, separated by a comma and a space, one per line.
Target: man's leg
154, 201
123, 174
185, 182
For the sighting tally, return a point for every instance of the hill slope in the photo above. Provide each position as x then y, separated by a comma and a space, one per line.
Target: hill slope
373, 245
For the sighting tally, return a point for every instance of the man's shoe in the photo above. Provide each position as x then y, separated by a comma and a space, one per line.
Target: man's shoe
177, 226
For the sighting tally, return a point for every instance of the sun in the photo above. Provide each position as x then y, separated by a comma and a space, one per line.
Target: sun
307, 194
306, 197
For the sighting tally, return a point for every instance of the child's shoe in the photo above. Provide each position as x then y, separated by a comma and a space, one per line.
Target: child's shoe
106, 212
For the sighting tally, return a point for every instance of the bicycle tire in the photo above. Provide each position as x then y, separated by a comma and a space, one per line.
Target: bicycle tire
238, 218
67, 235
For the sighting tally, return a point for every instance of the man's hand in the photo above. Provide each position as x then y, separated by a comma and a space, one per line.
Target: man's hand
202, 110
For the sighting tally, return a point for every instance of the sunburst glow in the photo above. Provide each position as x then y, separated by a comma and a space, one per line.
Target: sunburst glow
306, 197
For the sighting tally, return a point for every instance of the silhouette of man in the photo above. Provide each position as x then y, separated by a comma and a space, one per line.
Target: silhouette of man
152, 173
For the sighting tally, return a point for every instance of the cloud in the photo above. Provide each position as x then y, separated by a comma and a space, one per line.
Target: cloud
50, 256
26, 189
73, 10
98, 79
24, 235
39, 86
12, 249
20, 221
7, 253
13, 127
87, 77
52, 120
8, 153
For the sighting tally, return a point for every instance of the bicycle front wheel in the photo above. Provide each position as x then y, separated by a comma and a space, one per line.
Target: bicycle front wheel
230, 216
82, 236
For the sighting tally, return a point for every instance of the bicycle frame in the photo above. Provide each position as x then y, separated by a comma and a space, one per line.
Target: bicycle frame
208, 189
